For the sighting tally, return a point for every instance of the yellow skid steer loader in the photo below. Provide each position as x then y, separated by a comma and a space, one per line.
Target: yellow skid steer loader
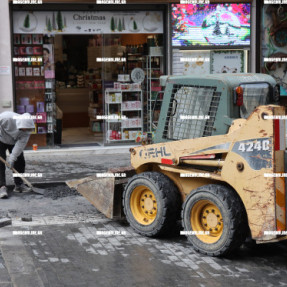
218, 164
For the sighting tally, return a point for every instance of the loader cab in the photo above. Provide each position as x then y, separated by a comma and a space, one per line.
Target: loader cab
201, 106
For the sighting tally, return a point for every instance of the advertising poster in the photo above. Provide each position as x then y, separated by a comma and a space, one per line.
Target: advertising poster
191, 62
213, 24
227, 62
48, 61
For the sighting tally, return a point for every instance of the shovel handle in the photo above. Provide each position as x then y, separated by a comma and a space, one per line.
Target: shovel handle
15, 171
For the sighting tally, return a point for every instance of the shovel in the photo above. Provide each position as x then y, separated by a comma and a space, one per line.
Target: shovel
34, 189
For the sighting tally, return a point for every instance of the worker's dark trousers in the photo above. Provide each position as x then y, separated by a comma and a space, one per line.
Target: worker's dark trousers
19, 164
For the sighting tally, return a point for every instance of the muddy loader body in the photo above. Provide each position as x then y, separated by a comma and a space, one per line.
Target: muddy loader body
218, 165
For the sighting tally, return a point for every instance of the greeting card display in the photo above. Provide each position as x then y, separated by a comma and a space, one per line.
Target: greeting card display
17, 39
26, 39
37, 39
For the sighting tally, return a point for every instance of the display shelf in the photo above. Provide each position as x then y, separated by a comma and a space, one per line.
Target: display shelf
151, 61
34, 86
128, 102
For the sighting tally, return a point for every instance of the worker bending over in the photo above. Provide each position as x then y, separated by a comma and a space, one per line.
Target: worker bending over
15, 132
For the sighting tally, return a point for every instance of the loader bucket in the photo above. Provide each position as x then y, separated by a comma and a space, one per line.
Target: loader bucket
105, 193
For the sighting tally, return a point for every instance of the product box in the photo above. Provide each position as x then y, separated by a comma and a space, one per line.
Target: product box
132, 135
22, 72
50, 128
37, 51
136, 86
135, 122
40, 107
41, 117
30, 109
125, 135
29, 85
16, 71
155, 51
126, 123
42, 130
49, 107
29, 50
49, 118
39, 85
92, 112
24, 101
29, 71
20, 109
22, 51
49, 74
16, 51
36, 72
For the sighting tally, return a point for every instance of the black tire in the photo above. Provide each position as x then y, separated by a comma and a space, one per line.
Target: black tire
233, 216
167, 200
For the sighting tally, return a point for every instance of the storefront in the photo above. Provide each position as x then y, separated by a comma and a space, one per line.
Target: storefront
88, 77
94, 78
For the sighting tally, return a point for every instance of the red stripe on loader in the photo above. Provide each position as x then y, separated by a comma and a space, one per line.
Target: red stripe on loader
276, 135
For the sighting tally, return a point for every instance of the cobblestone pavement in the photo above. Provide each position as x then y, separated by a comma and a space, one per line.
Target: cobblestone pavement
72, 251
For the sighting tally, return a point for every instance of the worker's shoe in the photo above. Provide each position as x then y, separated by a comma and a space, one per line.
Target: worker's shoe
3, 192
22, 188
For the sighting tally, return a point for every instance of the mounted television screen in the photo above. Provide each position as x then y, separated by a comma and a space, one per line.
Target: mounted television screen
210, 25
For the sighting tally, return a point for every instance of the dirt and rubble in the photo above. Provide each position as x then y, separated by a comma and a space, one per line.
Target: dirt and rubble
57, 199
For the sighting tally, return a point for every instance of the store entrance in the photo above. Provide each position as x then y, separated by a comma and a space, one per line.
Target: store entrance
94, 80
73, 91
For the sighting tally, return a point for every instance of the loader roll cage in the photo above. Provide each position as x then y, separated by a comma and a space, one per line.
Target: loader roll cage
192, 111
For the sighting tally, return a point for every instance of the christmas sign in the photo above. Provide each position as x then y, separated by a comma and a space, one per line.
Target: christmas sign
87, 22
